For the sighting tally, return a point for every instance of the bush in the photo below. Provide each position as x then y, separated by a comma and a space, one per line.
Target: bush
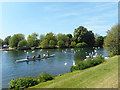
81, 45
73, 44
22, 82
88, 63
25, 82
45, 77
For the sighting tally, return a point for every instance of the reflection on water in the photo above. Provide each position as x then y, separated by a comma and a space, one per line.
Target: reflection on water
54, 65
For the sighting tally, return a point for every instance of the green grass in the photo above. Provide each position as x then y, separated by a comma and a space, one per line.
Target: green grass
104, 75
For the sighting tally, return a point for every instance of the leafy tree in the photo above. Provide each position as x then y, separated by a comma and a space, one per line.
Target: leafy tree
1, 42
14, 40
99, 41
73, 44
31, 41
61, 43
81, 45
81, 34
44, 44
69, 35
42, 37
50, 36
22, 44
111, 42
62, 37
34, 35
7, 40
52, 44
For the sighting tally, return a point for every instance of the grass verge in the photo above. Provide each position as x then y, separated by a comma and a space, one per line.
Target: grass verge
104, 75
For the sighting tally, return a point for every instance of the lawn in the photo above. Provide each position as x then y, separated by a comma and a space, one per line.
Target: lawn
104, 75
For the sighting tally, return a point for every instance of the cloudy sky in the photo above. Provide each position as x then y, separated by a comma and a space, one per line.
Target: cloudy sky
57, 17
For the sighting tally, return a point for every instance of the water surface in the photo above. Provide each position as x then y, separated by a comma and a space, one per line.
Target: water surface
54, 65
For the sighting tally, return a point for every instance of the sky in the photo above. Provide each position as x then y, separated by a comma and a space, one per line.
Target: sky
56, 17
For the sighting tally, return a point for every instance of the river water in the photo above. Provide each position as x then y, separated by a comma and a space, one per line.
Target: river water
54, 65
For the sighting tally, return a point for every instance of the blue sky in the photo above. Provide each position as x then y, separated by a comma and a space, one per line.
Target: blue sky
57, 17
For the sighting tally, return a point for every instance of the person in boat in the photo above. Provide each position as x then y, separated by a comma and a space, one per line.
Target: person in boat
34, 57
48, 54
44, 55
39, 56
27, 57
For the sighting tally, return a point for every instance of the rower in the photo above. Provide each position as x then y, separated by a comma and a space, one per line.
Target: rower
44, 55
27, 57
34, 57
47, 54
39, 56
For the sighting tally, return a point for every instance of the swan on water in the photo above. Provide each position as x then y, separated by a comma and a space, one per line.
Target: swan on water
27, 52
24, 50
74, 63
65, 63
33, 51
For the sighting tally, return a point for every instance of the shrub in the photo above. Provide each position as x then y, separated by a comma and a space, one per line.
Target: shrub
81, 45
73, 44
88, 63
45, 77
25, 82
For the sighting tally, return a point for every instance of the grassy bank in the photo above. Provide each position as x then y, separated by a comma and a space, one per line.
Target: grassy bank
104, 75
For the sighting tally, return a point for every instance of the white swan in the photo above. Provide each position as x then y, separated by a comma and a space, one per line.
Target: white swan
65, 63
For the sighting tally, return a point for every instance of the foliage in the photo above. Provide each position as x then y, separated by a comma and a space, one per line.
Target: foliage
31, 41
81, 34
61, 43
14, 40
81, 45
50, 36
111, 42
73, 44
88, 63
44, 44
51, 44
62, 37
25, 82
69, 35
1, 42
22, 44
22, 82
99, 41
45, 77
7, 40
42, 37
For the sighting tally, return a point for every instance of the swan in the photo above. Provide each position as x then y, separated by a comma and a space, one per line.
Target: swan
65, 63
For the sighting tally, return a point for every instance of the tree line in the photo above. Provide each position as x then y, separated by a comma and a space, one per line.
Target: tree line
81, 38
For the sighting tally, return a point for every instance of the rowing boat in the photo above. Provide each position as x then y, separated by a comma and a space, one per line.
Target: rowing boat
31, 59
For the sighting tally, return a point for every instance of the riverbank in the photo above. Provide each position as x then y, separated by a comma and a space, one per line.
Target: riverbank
104, 75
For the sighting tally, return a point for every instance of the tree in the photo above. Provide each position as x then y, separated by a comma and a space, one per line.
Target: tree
50, 36
81, 34
31, 41
62, 37
99, 41
111, 42
69, 35
42, 37
73, 44
61, 43
22, 44
52, 44
14, 40
34, 35
1, 43
7, 40
44, 44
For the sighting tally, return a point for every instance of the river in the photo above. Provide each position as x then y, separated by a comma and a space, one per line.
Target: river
54, 65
